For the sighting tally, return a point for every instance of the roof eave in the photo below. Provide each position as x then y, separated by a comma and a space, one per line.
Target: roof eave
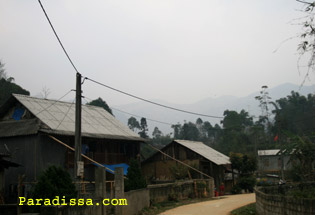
93, 135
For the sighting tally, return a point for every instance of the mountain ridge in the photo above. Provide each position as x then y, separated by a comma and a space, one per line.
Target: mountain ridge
209, 106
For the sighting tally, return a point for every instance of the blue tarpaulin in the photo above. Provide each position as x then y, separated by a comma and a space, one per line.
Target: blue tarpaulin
113, 166
18, 113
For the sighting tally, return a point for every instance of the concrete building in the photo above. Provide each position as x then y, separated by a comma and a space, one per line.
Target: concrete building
269, 161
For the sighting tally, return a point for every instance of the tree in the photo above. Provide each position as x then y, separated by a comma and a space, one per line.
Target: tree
143, 128
236, 121
307, 45
207, 130
7, 87
156, 133
189, 131
3, 74
246, 165
133, 123
135, 179
45, 92
295, 114
234, 137
302, 156
264, 101
177, 130
101, 103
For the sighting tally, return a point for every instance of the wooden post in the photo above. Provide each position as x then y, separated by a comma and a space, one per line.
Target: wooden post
111, 190
19, 190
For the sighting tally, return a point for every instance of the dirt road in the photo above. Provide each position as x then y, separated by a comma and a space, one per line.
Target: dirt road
221, 206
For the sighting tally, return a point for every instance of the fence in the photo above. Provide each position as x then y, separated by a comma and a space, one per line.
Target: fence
181, 190
277, 200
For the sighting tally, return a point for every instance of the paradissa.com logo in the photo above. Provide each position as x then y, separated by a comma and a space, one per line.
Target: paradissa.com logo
73, 202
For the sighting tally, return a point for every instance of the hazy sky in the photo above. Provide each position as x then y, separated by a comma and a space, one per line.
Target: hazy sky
178, 51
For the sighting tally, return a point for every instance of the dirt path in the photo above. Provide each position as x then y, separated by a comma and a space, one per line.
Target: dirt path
221, 206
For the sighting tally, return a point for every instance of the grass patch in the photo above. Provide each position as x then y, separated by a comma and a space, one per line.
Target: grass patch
164, 206
245, 210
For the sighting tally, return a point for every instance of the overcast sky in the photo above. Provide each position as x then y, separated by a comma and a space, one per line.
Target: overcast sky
177, 51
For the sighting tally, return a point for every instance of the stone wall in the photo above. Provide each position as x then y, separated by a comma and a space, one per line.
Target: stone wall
274, 201
136, 201
181, 190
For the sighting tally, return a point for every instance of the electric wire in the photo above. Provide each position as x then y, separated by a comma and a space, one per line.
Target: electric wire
131, 114
153, 120
65, 115
62, 46
151, 102
55, 102
112, 88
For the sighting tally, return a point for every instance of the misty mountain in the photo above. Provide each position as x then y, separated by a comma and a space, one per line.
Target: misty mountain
209, 106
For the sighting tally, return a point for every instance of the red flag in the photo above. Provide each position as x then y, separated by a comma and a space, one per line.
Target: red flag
276, 138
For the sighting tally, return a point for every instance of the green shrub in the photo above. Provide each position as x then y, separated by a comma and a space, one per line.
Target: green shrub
247, 183
236, 189
135, 179
245, 210
179, 171
54, 181
303, 193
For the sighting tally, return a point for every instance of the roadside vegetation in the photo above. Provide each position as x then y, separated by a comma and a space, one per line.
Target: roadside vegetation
246, 210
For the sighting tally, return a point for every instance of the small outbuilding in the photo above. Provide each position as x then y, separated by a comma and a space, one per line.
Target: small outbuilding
269, 161
160, 167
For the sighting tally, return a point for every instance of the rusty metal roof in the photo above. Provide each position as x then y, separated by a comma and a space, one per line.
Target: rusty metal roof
205, 151
59, 118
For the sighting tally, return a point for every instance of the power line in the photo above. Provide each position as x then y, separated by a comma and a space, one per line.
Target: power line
151, 102
55, 101
153, 120
52, 27
65, 115
131, 114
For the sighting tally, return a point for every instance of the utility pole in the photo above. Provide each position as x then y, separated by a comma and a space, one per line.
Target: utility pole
77, 140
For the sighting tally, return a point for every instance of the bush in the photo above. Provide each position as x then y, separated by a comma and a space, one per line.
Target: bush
179, 172
54, 181
236, 189
247, 183
135, 179
304, 192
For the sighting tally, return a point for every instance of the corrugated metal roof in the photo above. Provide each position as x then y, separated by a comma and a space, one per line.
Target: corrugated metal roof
205, 151
60, 118
268, 152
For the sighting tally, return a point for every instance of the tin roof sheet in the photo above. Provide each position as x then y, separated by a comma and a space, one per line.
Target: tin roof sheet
269, 152
205, 151
59, 117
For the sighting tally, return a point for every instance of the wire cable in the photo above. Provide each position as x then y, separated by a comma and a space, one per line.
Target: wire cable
62, 46
151, 102
153, 120
65, 115
55, 101
131, 114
